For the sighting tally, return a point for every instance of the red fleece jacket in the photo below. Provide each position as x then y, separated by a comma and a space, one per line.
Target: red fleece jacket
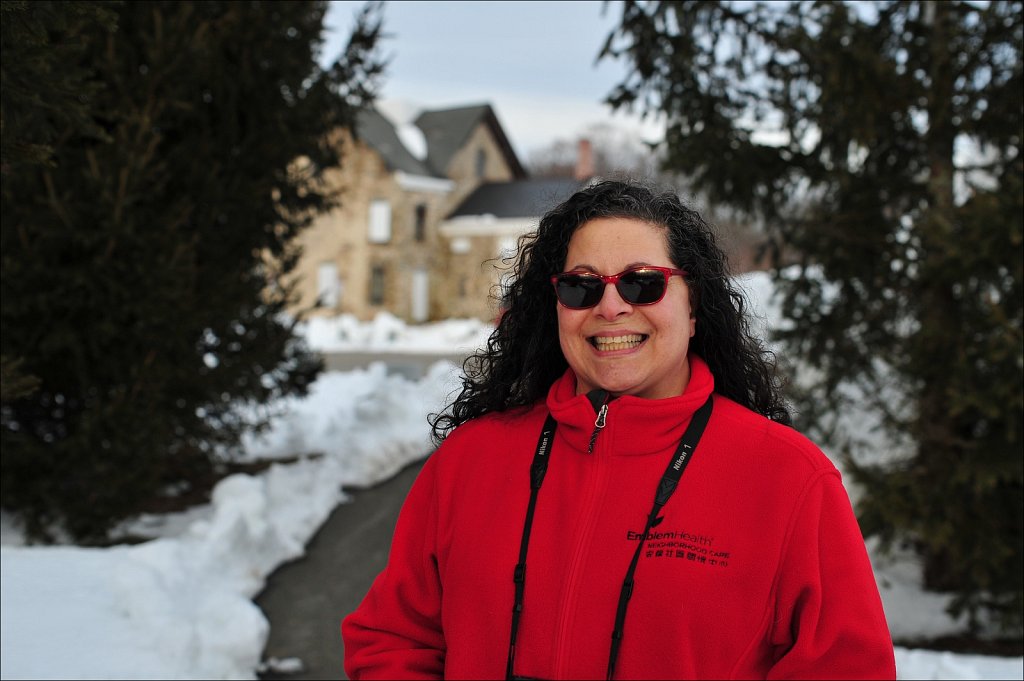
758, 569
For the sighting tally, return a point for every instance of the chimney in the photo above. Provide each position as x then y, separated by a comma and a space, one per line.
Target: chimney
584, 160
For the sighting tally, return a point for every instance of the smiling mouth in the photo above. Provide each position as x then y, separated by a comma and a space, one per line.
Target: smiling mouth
610, 343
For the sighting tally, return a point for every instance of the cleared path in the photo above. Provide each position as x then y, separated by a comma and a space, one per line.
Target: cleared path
412, 365
305, 600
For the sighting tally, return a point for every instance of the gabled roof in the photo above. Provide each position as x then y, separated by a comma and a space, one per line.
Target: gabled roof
518, 199
447, 130
378, 132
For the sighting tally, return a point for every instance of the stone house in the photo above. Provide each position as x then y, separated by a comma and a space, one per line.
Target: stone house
430, 215
384, 249
482, 235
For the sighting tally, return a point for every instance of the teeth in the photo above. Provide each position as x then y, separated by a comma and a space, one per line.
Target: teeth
608, 343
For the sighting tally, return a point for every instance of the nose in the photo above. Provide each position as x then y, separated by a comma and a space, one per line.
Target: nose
611, 304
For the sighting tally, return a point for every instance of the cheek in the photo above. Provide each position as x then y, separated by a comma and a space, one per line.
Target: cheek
563, 327
568, 319
569, 322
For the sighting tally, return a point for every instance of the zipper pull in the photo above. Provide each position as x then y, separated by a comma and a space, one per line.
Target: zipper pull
602, 415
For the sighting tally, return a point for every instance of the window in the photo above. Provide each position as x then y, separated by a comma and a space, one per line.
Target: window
328, 286
420, 294
420, 233
481, 163
378, 275
380, 222
508, 246
505, 286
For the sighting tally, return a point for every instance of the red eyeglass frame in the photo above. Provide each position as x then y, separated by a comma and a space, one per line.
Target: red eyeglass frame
614, 279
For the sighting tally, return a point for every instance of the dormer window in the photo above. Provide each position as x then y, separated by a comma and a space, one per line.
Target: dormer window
481, 163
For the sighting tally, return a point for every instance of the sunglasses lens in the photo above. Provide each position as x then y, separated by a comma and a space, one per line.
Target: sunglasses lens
642, 287
579, 290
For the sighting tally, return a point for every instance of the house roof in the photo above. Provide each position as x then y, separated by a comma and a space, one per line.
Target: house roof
377, 131
517, 199
447, 130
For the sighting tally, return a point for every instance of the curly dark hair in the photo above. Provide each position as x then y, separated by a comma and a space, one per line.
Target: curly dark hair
523, 357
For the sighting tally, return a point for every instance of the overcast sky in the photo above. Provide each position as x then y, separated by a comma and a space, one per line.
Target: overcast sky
534, 62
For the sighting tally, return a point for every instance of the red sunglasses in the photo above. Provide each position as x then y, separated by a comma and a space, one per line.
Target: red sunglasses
643, 285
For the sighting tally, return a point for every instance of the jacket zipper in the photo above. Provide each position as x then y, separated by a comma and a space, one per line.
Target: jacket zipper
595, 488
602, 416
598, 425
599, 400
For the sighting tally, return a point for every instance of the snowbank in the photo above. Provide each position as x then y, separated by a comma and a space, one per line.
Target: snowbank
387, 333
180, 606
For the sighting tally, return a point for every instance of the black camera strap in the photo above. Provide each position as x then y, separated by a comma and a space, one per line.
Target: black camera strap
666, 486
537, 471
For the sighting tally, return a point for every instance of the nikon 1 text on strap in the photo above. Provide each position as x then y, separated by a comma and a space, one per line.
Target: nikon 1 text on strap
667, 485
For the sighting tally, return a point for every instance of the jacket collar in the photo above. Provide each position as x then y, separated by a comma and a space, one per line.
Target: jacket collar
633, 425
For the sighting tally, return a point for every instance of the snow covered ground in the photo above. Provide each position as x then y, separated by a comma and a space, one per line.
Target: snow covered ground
180, 606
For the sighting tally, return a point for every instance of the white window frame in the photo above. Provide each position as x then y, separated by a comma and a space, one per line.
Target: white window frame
420, 294
379, 223
328, 284
508, 246
480, 164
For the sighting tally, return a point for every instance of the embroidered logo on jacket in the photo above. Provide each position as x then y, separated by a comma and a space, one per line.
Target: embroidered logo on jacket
682, 545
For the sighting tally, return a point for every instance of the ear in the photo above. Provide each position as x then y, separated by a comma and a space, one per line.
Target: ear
693, 311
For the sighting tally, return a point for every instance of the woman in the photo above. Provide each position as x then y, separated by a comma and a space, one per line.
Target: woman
619, 493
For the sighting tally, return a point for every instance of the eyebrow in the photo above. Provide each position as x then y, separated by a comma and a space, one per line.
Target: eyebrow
591, 268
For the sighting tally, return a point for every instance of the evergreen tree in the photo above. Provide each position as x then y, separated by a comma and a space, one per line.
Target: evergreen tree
158, 160
881, 144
